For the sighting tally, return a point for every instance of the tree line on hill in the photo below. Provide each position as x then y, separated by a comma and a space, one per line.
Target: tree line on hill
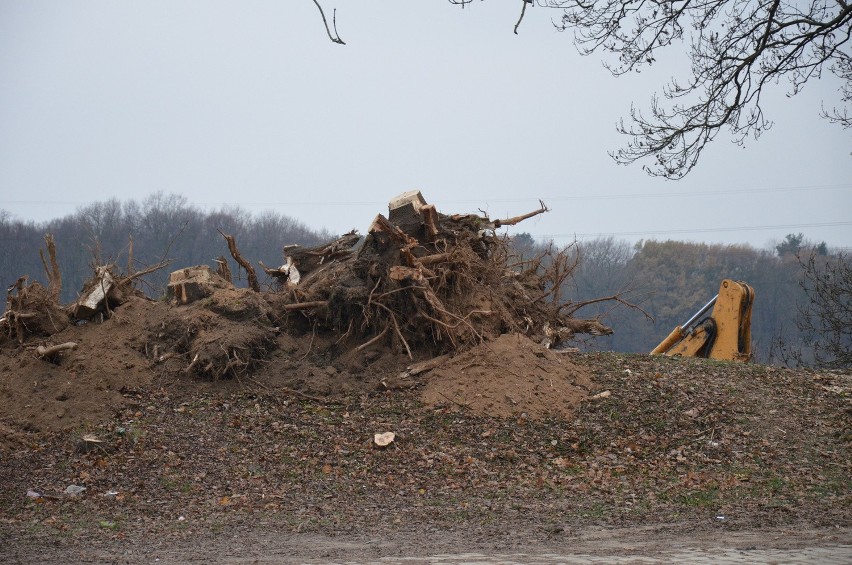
801, 313
161, 227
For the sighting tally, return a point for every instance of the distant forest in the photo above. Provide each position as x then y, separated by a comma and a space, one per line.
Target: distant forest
667, 280
162, 226
671, 280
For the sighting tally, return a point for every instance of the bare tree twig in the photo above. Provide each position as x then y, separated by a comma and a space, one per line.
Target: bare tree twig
523, 11
146, 271
572, 307
335, 37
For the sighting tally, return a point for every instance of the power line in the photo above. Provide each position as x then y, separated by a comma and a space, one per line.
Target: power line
486, 200
691, 230
631, 195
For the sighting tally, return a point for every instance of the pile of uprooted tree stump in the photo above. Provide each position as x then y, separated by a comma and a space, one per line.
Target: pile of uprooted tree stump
426, 280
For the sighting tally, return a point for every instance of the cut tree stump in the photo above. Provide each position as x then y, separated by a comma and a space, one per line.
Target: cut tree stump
404, 211
90, 304
194, 283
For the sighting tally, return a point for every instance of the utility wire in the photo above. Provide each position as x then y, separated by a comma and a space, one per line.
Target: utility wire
690, 230
487, 200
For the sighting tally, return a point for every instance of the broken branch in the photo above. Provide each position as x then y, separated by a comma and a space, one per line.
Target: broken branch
522, 217
43, 351
146, 271
235, 253
306, 305
54, 275
367, 344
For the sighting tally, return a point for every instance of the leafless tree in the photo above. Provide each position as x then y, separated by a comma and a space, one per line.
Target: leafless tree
826, 318
736, 49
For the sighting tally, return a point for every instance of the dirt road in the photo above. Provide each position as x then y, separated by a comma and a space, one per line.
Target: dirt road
649, 544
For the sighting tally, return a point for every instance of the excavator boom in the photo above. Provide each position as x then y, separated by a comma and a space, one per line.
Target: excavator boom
725, 334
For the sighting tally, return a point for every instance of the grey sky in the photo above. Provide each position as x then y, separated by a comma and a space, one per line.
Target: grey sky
248, 103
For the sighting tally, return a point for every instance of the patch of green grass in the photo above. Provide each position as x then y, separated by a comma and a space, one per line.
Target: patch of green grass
572, 470
597, 510
701, 498
174, 484
830, 488
109, 525
775, 484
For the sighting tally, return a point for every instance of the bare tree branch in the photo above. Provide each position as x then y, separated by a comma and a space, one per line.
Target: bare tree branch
736, 49
518, 219
235, 253
523, 11
334, 37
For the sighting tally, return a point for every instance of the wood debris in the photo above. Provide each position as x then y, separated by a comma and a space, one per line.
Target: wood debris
430, 281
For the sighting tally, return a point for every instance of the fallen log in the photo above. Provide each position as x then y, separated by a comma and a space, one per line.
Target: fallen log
403, 273
287, 274
567, 328
106, 290
432, 259
404, 211
424, 366
430, 221
194, 283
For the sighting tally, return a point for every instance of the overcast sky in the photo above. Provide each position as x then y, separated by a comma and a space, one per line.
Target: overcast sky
249, 103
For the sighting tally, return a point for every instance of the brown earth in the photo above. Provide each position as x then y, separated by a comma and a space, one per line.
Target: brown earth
139, 349
499, 447
510, 376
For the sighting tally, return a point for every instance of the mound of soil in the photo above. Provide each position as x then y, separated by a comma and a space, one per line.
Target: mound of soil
80, 387
510, 376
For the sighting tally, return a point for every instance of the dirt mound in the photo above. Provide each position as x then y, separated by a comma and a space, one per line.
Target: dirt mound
78, 387
149, 346
510, 376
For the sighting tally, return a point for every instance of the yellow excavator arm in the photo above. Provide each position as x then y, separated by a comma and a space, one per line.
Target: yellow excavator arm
725, 334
